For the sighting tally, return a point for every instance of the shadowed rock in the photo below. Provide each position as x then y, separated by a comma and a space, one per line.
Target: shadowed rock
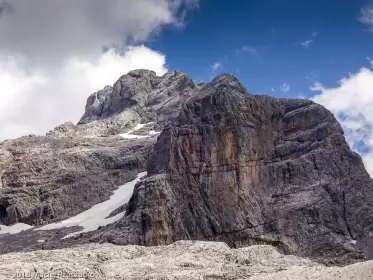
247, 170
228, 166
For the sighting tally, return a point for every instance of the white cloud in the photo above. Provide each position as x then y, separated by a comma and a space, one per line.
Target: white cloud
107, 69
35, 102
216, 66
352, 103
51, 54
52, 29
366, 15
250, 49
307, 43
312, 76
285, 87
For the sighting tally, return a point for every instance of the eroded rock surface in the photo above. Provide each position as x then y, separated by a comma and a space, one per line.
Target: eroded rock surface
248, 170
143, 93
228, 166
45, 179
49, 178
181, 260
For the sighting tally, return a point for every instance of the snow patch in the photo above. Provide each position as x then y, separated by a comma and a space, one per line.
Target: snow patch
41, 240
17, 228
153, 132
130, 135
95, 217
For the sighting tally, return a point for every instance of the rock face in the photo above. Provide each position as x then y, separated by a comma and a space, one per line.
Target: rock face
248, 170
181, 260
228, 166
46, 179
142, 92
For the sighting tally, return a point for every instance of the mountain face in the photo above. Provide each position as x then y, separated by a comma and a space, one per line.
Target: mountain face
226, 166
143, 95
46, 179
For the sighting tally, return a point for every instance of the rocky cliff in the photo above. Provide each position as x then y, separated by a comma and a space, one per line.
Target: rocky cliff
247, 170
228, 166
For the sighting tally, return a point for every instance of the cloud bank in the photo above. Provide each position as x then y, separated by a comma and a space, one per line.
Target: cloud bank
352, 103
53, 54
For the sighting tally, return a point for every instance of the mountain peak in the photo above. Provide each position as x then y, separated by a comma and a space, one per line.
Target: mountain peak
141, 73
228, 80
141, 91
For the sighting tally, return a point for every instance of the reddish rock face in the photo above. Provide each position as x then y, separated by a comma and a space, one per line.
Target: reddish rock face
249, 170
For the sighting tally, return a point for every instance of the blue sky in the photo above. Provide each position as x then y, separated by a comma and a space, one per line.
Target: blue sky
260, 42
52, 58
284, 48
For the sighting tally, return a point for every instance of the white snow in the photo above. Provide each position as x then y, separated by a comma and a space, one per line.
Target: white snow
95, 217
41, 240
153, 132
17, 228
130, 135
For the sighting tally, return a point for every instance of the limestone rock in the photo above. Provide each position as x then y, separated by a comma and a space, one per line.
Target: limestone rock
249, 170
72, 168
181, 260
228, 166
47, 179
153, 98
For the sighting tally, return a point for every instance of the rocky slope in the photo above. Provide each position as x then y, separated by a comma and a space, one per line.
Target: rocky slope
46, 179
181, 260
228, 166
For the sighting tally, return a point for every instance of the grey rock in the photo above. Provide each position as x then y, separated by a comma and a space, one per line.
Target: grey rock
48, 179
248, 170
179, 261
120, 209
228, 166
72, 168
153, 98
